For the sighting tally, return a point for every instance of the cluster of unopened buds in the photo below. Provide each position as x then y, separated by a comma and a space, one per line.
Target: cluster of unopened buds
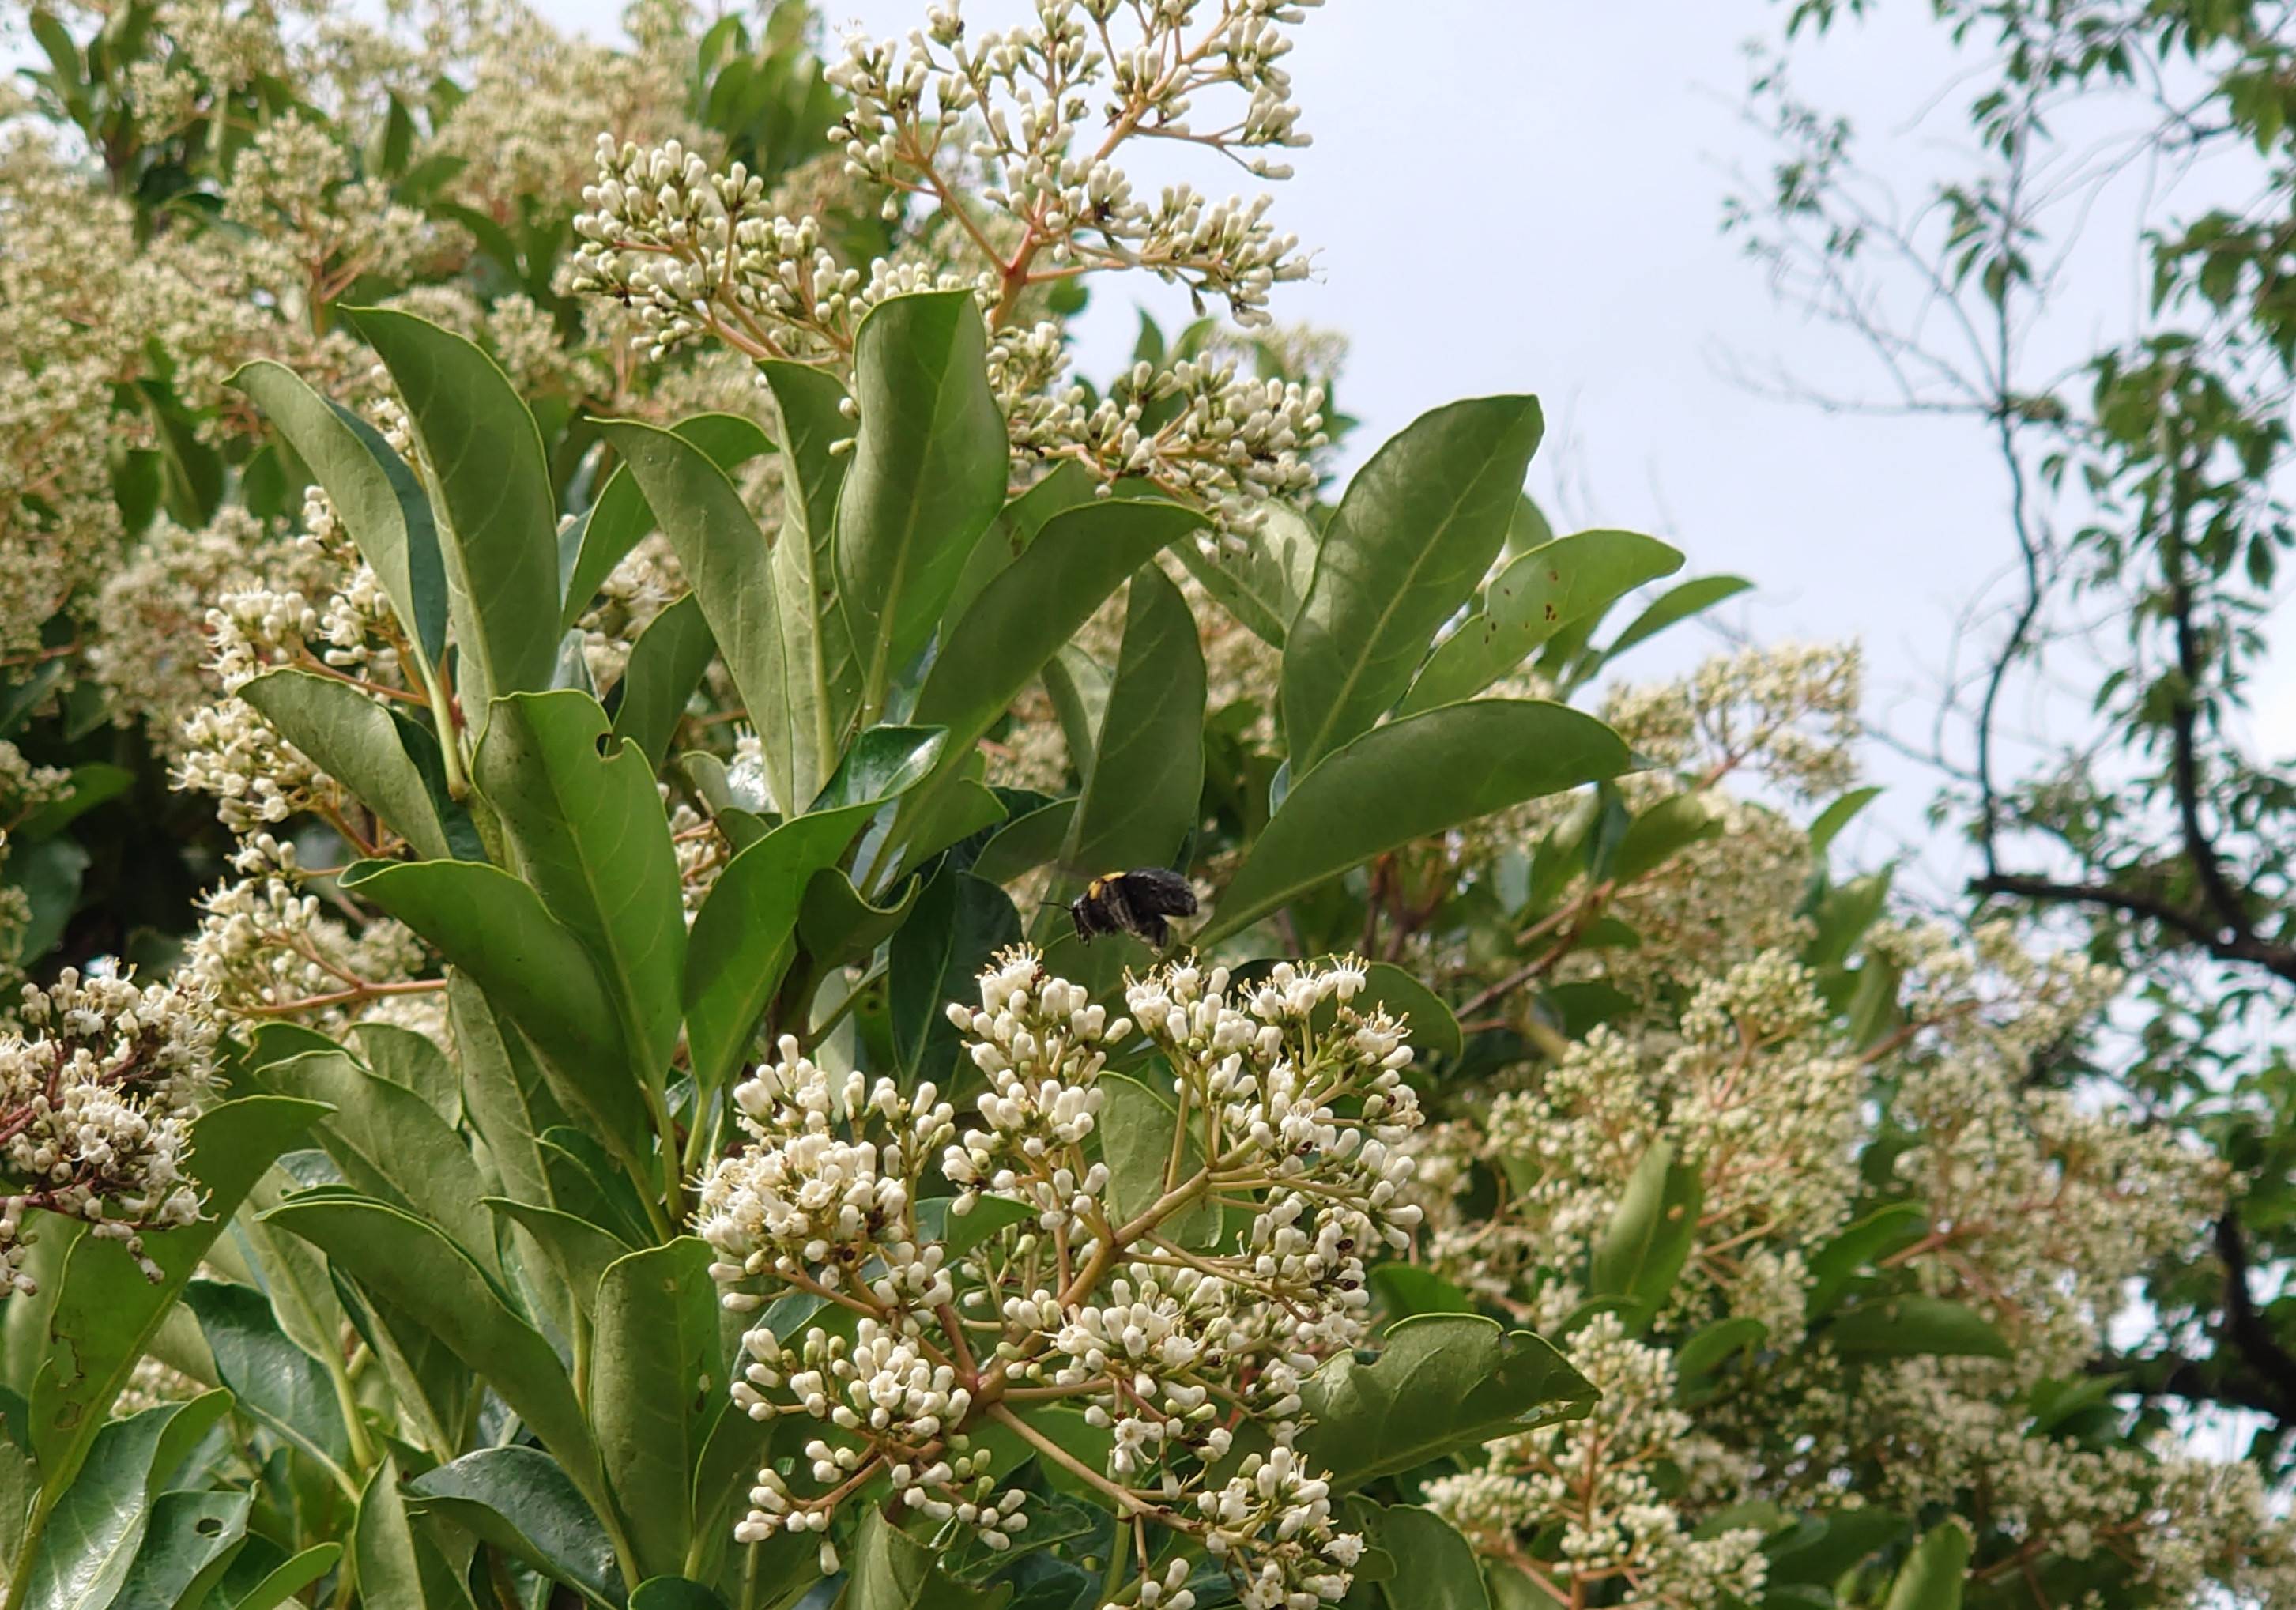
98, 1087
1174, 1323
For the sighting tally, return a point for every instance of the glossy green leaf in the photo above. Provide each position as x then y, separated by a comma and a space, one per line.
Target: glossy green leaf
1857, 1247
667, 663
1838, 816
1137, 1126
378, 499
927, 477
1661, 831
502, 1088
1642, 1250
106, 1310
742, 937
494, 488
1915, 1326
283, 1580
1405, 1289
1066, 485
93, 783
532, 968
674, 1593
190, 1539
413, 1269
391, 1145
1412, 538
620, 520
727, 557
520, 1500
1376, 793
412, 1061
656, 1377
271, 1380
1144, 782
1933, 1575
1025, 843
577, 1250
590, 835
1034, 606
1674, 606
817, 641
893, 1571
1434, 1031
393, 1564
1435, 1569
98, 1520
1529, 601
1441, 1383
1263, 584
958, 923
1842, 917
1709, 1346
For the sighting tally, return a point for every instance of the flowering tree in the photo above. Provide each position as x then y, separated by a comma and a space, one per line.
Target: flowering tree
636, 1127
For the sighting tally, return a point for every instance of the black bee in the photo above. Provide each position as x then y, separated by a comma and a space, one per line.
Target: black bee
1134, 902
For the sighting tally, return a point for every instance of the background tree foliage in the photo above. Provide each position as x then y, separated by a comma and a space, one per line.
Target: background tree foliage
2144, 509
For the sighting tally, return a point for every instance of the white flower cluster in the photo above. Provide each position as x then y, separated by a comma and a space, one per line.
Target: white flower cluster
1151, 1303
992, 136
99, 1082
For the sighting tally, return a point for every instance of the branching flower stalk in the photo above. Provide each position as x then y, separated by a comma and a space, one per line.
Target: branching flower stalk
1012, 142
1175, 1300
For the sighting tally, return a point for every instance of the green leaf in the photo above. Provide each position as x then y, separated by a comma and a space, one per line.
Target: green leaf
1529, 601
674, 1593
1078, 685
392, 1565
1838, 816
817, 641
958, 923
1025, 843
1915, 1326
1933, 1575
726, 558
1066, 485
413, 1269
1405, 1289
1842, 917
520, 1500
532, 969
656, 1377
392, 1145
927, 477
590, 835
1265, 584
1834, 1266
1435, 1569
1441, 1383
1374, 793
892, 1571
839, 925
579, 1251
1648, 1239
100, 1519
106, 1310
93, 781
620, 520
743, 935
1674, 606
1662, 832
1418, 528
493, 485
190, 1540
379, 500
1137, 1127
412, 1061
1144, 783
1843, 1540
1432, 1026
503, 1089
285, 1579
667, 663
1030, 610
1710, 1345
272, 1381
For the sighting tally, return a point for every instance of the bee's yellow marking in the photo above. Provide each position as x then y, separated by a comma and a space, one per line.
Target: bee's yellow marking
1092, 890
